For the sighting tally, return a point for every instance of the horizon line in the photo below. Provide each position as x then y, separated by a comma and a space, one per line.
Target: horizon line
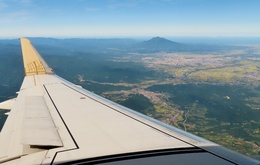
125, 37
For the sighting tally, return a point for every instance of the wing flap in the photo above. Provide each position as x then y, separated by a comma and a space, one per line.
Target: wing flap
38, 127
30, 127
8, 104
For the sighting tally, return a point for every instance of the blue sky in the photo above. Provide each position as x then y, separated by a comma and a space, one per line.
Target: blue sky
129, 18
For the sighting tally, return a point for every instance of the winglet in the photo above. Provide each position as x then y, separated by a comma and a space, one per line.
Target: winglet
32, 60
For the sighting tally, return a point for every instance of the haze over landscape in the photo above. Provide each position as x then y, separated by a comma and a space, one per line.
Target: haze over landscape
191, 64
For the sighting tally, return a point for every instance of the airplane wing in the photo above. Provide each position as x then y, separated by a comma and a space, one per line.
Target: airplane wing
53, 121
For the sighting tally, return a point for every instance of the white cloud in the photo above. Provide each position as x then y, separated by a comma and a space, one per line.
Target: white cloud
91, 9
124, 4
14, 17
21, 1
21, 15
26, 1
133, 3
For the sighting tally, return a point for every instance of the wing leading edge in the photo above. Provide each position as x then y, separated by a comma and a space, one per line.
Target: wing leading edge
54, 121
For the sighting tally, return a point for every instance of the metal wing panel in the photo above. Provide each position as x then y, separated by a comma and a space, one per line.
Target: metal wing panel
38, 127
99, 128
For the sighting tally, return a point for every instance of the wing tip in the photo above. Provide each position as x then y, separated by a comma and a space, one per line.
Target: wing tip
22, 39
33, 62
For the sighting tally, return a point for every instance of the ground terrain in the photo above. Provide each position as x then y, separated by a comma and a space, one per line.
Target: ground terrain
215, 96
212, 91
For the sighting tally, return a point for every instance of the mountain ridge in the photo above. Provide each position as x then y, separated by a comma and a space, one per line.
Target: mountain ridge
158, 44
161, 40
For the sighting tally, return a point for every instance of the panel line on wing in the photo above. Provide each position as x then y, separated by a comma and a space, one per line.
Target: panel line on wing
74, 141
60, 116
157, 129
165, 133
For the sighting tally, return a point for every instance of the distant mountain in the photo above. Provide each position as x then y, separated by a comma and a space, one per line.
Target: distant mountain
160, 44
